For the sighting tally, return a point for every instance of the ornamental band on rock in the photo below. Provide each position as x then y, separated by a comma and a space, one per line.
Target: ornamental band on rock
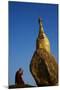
43, 65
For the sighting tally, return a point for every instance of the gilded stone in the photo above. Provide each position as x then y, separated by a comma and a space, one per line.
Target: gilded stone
43, 66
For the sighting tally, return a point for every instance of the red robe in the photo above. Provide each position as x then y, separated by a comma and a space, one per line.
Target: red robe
18, 78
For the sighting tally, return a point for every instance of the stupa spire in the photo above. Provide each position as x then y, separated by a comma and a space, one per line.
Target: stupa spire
42, 40
41, 30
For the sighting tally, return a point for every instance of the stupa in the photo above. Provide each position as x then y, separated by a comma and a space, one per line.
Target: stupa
43, 65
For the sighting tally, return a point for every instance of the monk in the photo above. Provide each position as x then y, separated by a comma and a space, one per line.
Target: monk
18, 77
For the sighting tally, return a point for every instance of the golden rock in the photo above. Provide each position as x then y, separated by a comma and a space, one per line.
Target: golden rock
43, 66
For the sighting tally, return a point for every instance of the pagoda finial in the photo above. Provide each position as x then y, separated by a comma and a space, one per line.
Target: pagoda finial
42, 40
39, 20
41, 30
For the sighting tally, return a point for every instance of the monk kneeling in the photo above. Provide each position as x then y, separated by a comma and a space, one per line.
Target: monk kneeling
18, 77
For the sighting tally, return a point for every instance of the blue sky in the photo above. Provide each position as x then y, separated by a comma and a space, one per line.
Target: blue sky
23, 32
